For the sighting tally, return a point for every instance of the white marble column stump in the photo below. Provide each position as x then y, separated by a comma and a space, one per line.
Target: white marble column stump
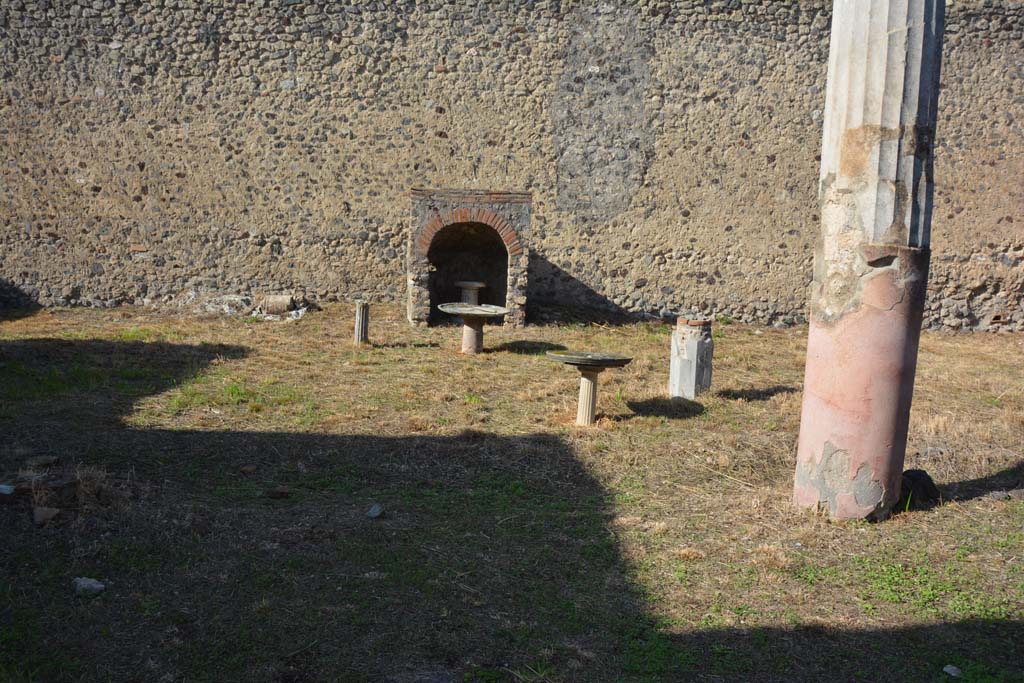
362, 328
871, 260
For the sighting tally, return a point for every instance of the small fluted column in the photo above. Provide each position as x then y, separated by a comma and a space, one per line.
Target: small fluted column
589, 364
587, 410
362, 330
871, 260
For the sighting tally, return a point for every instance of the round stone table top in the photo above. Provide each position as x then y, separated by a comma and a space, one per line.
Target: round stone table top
472, 310
590, 359
470, 284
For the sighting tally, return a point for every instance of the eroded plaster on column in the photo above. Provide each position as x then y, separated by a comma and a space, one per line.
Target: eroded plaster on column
872, 256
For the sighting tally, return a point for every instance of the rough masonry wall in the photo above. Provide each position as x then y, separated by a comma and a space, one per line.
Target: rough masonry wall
174, 150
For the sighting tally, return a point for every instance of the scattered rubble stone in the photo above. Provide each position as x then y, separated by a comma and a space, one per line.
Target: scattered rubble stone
41, 514
279, 492
87, 587
1006, 494
375, 511
228, 304
277, 304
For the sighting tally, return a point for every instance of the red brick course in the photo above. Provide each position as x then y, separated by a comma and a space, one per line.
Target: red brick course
464, 215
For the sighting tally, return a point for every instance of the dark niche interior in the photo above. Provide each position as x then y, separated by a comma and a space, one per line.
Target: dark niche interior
466, 251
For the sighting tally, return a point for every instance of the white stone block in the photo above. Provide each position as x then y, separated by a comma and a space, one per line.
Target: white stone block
690, 365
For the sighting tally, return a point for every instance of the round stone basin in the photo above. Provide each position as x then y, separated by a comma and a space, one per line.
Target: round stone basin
473, 317
590, 364
473, 310
592, 359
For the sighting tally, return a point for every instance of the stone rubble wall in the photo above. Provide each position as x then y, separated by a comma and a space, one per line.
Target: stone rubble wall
166, 151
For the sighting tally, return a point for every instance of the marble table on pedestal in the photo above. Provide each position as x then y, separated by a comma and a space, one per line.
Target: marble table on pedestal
470, 291
590, 364
473, 317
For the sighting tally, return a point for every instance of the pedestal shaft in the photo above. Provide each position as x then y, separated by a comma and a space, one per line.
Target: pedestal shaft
587, 410
472, 335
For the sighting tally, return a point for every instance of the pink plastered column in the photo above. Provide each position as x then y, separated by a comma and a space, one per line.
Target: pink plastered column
871, 259
858, 387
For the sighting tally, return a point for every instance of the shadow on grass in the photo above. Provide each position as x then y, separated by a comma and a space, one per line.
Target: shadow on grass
755, 394
672, 408
494, 560
526, 348
1009, 479
87, 382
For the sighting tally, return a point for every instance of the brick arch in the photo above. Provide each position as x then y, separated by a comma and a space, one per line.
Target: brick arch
433, 210
483, 215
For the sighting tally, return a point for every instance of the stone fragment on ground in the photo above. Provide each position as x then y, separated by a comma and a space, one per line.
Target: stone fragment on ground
375, 511
229, 304
247, 469
277, 304
7, 493
87, 587
953, 671
295, 314
42, 514
1006, 494
279, 492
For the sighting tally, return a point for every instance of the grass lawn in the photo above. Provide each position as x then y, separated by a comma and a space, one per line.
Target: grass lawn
222, 470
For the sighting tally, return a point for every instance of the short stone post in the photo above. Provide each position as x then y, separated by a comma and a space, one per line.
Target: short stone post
871, 260
587, 410
690, 363
362, 331
472, 334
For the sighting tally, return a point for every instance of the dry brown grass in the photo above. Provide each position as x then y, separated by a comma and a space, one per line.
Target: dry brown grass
697, 497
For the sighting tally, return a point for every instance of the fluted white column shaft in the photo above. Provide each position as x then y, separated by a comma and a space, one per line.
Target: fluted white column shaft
587, 410
362, 328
